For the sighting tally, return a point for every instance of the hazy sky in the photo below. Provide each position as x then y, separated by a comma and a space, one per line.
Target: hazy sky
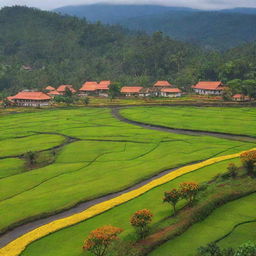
200, 4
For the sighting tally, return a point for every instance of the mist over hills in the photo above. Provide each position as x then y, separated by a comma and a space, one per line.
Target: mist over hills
220, 30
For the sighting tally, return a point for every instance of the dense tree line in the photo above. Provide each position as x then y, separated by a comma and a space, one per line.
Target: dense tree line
39, 48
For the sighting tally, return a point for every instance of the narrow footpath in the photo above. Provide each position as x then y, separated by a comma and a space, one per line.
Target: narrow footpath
116, 113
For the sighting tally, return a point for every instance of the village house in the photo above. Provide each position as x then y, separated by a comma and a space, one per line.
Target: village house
62, 89
208, 88
103, 88
92, 88
49, 88
88, 89
131, 91
162, 84
240, 97
53, 93
30, 99
170, 92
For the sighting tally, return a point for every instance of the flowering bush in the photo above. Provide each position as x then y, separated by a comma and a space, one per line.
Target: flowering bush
100, 239
140, 221
172, 197
248, 159
189, 191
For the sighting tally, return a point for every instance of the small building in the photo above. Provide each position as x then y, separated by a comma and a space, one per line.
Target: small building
62, 88
208, 88
149, 92
103, 88
162, 84
170, 92
240, 97
30, 99
131, 91
88, 89
49, 88
27, 68
53, 93
92, 88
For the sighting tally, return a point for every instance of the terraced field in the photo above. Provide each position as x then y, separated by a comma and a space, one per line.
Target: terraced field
229, 120
218, 224
91, 154
119, 216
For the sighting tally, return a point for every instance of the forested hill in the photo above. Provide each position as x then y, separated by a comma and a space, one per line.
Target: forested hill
211, 29
39, 48
114, 13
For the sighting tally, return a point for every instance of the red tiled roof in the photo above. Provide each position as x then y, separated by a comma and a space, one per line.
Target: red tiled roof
30, 96
238, 96
62, 88
89, 86
53, 93
131, 89
162, 83
209, 85
104, 85
173, 90
50, 88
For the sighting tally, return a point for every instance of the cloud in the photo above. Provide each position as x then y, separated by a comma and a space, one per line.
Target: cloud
200, 4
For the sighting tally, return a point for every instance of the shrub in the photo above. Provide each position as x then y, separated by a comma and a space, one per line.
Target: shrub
86, 100
212, 249
247, 249
100, 239
249, 159
172, 197
140, 220
189, 191
124, 248
31, 158
232, 170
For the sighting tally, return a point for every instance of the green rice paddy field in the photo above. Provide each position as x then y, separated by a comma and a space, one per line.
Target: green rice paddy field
105, 155
229, 120
120, 215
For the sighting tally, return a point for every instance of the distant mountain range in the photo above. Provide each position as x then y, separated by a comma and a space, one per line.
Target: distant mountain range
221, 29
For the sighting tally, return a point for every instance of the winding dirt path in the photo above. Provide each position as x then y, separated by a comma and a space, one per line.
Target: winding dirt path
116, 113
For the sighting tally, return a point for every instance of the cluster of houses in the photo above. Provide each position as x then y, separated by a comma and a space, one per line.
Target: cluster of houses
101, 89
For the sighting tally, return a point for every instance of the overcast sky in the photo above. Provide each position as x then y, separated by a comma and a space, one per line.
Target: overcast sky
200, 4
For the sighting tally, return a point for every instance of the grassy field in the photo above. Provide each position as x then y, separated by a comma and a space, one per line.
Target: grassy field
219, 223
119, 216
118, 153
108, 156
230, 120
240, 235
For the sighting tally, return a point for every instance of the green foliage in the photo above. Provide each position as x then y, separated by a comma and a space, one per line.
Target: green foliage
64, 99
232, 170
114, 90
212, 249
247, 249
86, 100
40, 48
172, 197
71, 50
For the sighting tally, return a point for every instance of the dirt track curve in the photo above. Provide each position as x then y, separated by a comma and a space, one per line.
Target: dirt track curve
245, 138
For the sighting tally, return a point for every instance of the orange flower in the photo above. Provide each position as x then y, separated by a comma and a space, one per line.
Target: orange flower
99, 239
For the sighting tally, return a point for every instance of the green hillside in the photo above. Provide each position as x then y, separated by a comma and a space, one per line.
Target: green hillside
40, 48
